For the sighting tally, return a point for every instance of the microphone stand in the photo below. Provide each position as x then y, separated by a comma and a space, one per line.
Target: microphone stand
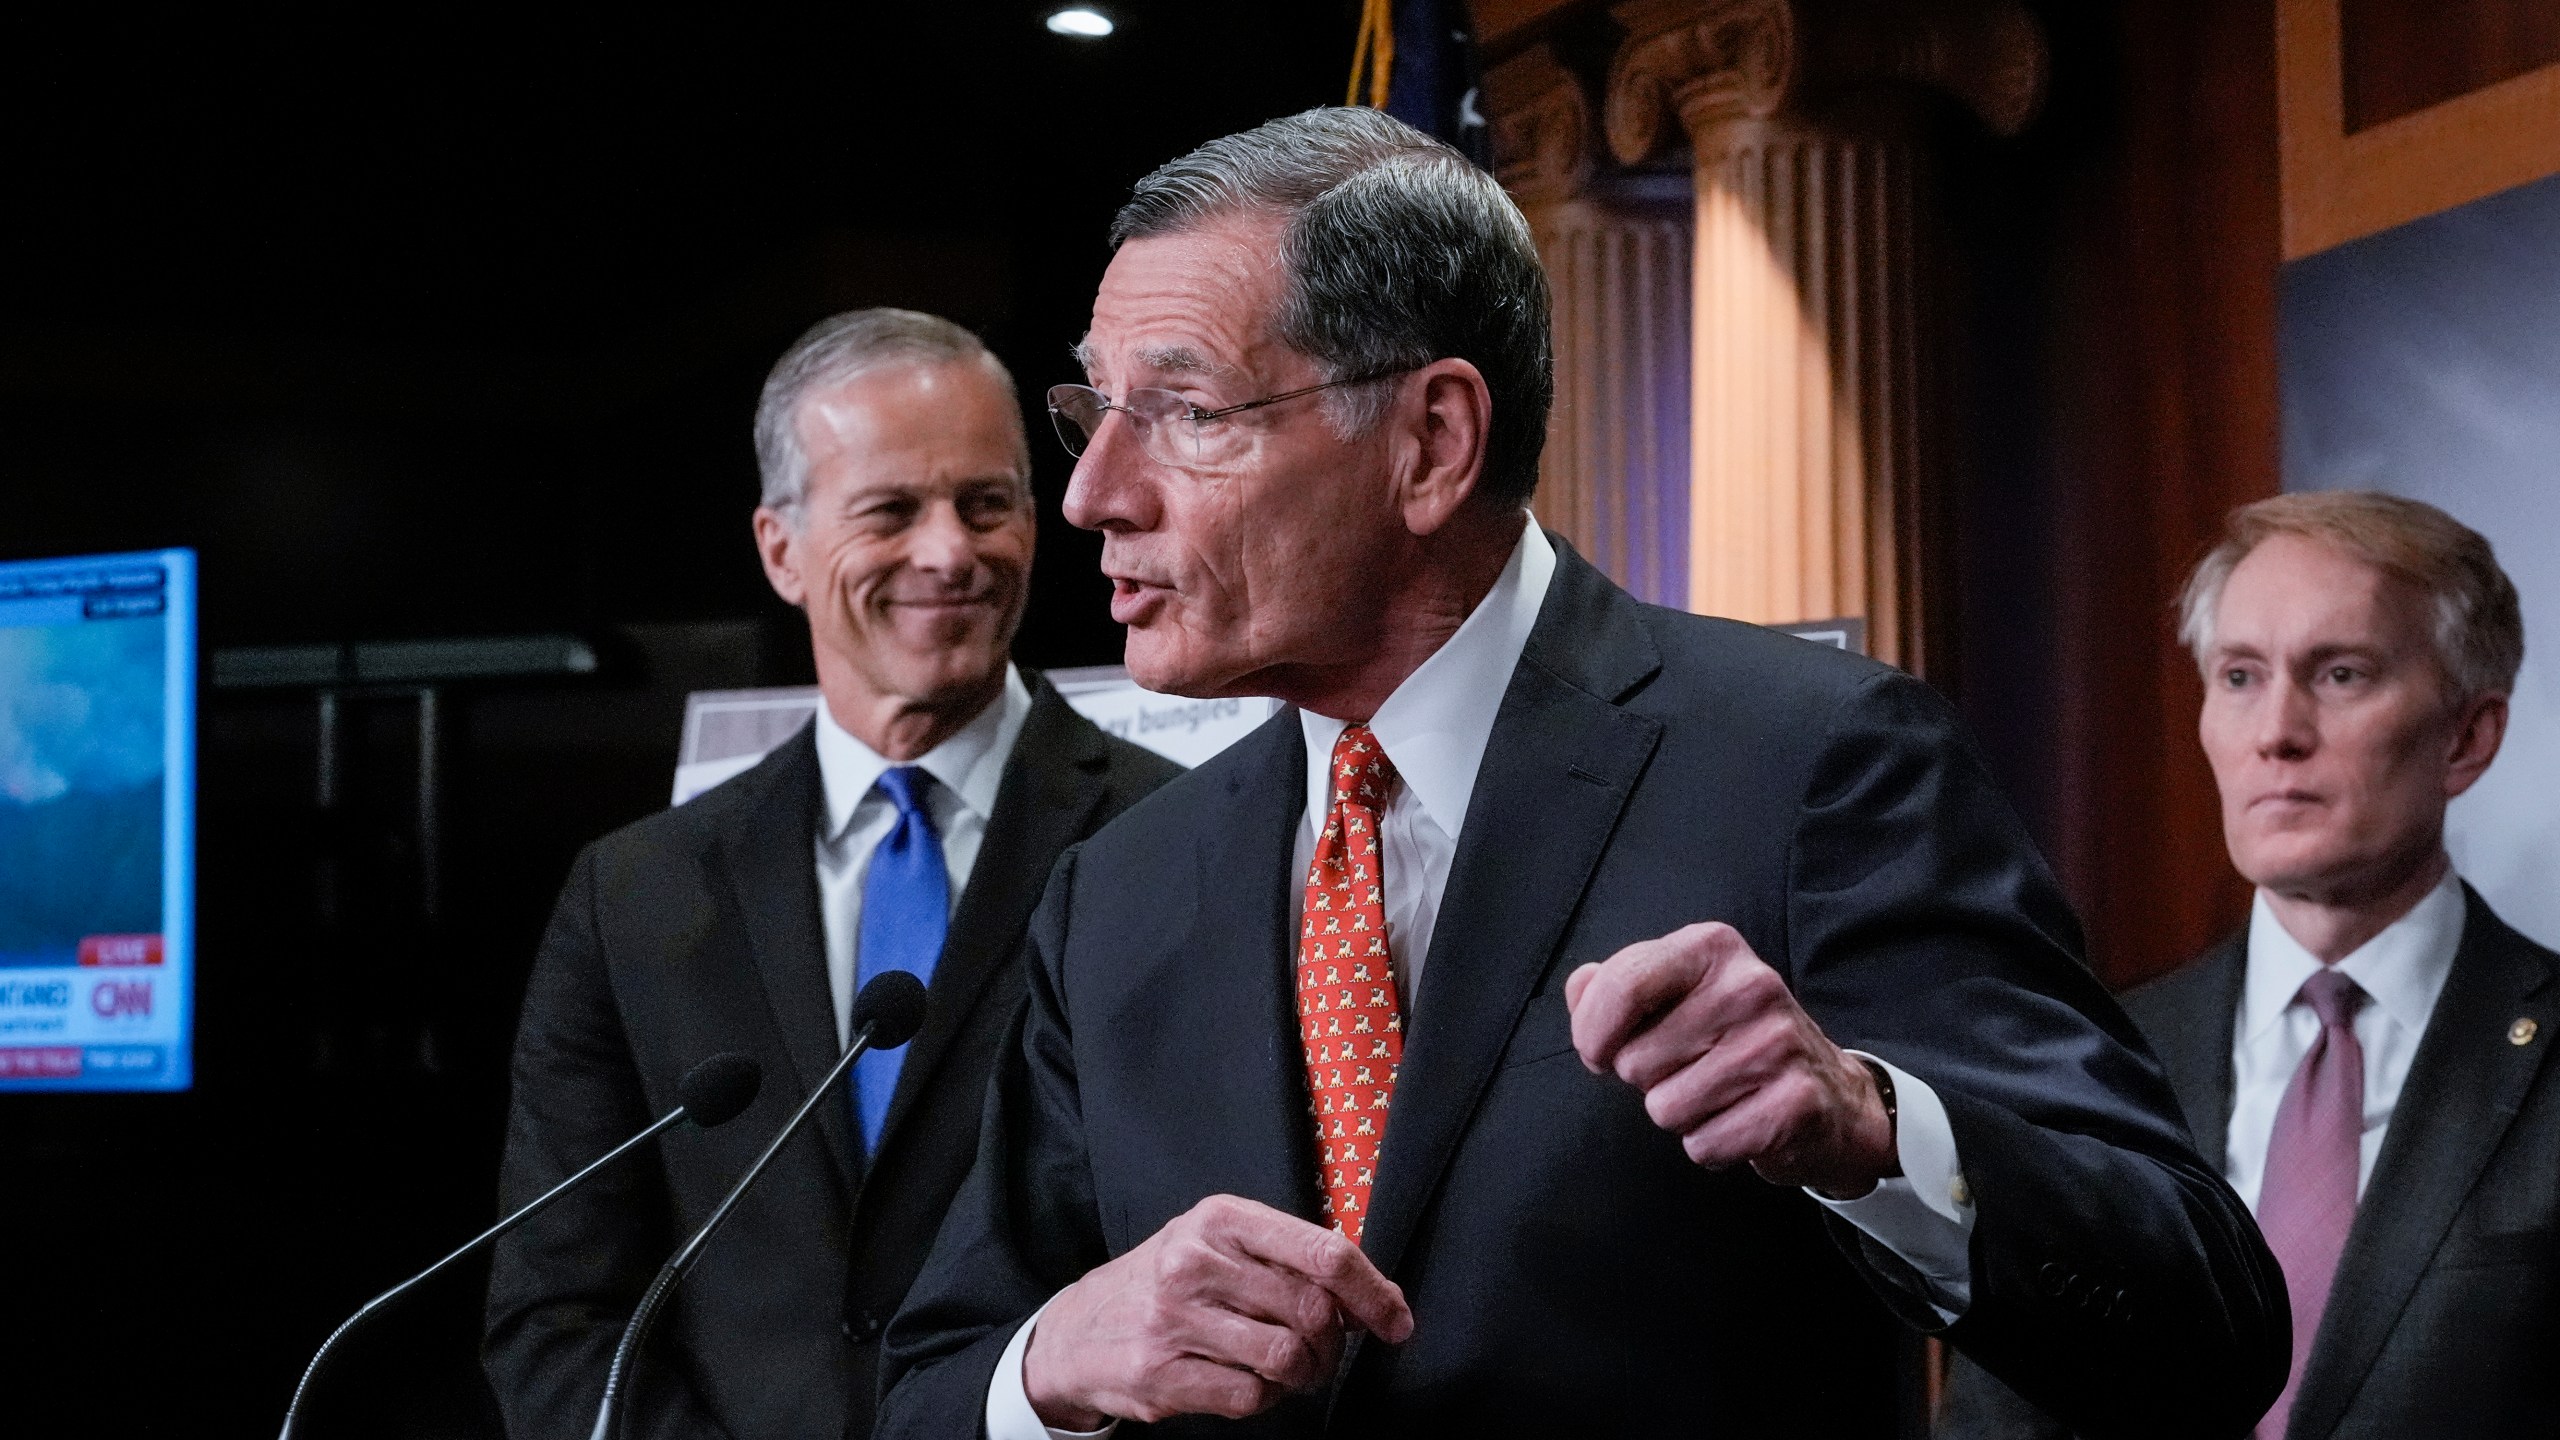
485, 1236
609, 1410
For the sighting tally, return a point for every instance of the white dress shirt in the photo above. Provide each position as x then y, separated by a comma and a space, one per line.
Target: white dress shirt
968, 770
2401, 971
1434, 728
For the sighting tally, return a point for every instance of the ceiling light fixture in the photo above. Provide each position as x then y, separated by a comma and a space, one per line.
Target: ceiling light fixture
1081, 21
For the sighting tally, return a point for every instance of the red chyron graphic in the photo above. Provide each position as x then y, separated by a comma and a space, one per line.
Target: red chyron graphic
120, 950
1347, 1012
39, 1062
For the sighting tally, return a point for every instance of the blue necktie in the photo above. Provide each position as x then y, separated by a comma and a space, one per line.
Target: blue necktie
906, 909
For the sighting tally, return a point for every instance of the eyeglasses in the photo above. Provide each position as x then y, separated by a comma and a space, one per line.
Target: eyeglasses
1171, 430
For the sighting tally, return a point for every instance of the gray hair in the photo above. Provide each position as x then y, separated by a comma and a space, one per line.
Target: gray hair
1399, 252
2479, 624
837, 349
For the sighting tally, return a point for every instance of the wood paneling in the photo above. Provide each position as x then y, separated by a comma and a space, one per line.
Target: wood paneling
2402, 56
2340, 186
2157, 386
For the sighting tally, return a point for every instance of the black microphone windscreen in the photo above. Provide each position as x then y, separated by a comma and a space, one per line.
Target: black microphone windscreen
718, 1088
893, 1006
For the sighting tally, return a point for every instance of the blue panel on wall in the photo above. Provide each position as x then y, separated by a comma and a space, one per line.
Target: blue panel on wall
2425, 361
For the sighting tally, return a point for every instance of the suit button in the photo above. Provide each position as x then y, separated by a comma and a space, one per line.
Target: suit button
2052, 1280
862, 1327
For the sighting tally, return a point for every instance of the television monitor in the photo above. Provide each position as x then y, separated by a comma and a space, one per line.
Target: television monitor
97, 821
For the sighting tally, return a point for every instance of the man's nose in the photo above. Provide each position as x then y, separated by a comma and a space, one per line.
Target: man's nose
939, 543
1104, 493
2289, 723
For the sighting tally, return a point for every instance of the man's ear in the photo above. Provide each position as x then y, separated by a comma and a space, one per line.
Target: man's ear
1445, 421
2479, 730
778, 546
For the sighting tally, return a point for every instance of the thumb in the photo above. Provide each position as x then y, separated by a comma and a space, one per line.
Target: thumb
1576, 983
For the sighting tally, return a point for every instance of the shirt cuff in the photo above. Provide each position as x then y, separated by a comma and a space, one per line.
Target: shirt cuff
1925, 1214
1009, 1412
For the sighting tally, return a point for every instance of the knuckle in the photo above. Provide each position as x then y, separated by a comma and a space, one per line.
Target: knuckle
1628, 1067
1661, 1108
1238, 1395
1311, 1311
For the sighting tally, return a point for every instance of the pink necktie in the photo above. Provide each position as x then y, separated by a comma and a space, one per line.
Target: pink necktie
2309, 1198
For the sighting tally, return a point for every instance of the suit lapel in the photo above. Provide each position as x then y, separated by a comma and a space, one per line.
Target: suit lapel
2188, 1022
1052, 783
1247, 1067
768, 847
1559, 767
2464, 1087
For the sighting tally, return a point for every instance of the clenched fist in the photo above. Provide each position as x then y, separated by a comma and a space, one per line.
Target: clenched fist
1224, 1311
1727, 1061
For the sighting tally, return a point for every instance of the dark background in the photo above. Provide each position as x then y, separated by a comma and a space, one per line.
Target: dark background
426, 323
438, 323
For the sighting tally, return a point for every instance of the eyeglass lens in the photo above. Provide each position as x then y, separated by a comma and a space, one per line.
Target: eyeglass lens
1078, 411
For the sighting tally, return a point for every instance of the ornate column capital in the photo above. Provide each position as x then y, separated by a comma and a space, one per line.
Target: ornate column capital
1709, 63
1541, 127
1700, 62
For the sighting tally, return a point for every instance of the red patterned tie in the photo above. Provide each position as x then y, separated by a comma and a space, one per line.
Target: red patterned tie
1347, 1009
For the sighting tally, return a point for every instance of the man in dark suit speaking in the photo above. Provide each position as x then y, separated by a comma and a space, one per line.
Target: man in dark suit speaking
2367, 1058
909, 827
1466, 1048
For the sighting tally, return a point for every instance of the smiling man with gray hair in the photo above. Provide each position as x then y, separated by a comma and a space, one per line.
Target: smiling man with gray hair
908, 827
1569, 1016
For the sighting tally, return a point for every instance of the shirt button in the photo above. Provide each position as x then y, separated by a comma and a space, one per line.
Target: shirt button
1959, 1192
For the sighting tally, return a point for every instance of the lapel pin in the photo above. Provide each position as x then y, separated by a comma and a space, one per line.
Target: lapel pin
2522, 1032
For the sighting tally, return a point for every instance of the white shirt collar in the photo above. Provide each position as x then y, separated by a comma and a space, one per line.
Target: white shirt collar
2402, 969
1435, 725
970, 764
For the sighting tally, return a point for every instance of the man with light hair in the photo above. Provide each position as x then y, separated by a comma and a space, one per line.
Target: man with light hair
2366, 1058
1569, 1016
908, 827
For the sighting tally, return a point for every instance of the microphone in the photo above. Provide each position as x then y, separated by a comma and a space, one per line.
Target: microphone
886, 1014
710, 1093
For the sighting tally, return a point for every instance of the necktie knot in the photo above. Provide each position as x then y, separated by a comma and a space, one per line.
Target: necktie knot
905, 786
2333, 997
1361, 770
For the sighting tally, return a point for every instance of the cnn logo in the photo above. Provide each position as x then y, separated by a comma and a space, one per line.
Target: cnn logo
121, 999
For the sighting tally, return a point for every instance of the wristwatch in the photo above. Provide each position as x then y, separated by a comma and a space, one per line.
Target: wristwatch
1884, 1092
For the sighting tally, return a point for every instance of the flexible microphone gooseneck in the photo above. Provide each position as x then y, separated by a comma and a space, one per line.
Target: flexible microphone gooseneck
710, 1093
886, 1015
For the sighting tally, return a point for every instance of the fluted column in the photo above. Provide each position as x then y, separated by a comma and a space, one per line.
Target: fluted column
1812, 468
1615, 475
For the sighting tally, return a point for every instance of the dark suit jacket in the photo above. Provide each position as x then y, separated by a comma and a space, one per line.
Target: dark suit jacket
2445, 1315
1568, 1268
697, 931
